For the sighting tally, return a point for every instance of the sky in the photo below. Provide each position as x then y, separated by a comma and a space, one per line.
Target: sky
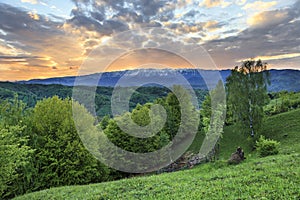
54, 38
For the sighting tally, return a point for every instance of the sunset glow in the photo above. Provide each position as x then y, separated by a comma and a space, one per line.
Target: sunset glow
42, 39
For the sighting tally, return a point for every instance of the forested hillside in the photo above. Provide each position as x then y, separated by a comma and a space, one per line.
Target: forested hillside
31, 93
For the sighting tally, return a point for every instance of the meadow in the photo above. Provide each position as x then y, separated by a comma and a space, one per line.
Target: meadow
272, 177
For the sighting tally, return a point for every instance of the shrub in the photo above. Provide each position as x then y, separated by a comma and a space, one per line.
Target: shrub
267, 147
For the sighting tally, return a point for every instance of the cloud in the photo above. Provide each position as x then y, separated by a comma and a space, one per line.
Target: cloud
33, 15
113, 16
274, 57
273, 36
259, 5
215, 3
198, 30
258, 14
41, 46
184, 3
30, 1
212, 25
37, 44
266, 19
191, 13
240, 2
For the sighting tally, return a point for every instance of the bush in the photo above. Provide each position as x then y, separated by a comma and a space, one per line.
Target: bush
267, 147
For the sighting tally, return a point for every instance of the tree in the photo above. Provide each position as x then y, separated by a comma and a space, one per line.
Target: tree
247, 94
171, 121
208, 118
12, 112
182, 115
212, 116
15, 154
60, 157
141, 116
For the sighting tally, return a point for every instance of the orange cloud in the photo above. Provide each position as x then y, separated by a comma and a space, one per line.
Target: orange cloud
260, 5
274, 57
153, 58
268, 18
215, 3
34, 16
211, 25
19, 71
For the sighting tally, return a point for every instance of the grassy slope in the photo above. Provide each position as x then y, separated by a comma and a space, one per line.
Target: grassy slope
273, 177
286, 129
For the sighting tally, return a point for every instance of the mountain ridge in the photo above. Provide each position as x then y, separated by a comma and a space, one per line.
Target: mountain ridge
283, 79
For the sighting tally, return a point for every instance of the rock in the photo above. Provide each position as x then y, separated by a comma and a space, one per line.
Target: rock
235, 158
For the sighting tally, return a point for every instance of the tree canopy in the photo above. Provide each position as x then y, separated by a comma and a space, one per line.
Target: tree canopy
247, 94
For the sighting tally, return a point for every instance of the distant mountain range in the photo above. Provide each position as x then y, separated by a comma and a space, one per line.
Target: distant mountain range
280, 79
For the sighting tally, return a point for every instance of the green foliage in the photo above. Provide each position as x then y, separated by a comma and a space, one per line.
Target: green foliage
15, 154
267, 147
104, 122
212, 115
275, 177
61, 158
125, 141
12, 112
31, 94
173, 113
205, 113
282, 102
247, 94
272, 177
284, 127
140, 116
182, 115
209, 113
181, 121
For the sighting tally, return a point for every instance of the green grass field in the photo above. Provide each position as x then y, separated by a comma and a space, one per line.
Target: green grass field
273, 177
